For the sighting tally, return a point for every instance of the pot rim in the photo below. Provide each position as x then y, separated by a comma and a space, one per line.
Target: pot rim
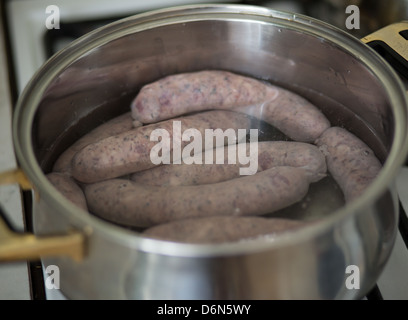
31, 96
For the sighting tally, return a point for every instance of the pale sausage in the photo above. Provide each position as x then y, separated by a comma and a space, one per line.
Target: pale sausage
183, 93
128, 203
268, 154
130, 151
350, 161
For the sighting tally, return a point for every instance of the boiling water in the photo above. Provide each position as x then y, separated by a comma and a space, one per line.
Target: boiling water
325, 196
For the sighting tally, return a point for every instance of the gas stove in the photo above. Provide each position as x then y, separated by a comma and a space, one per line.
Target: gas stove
26, 42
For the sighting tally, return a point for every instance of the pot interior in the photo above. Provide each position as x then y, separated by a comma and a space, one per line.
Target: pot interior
97, 77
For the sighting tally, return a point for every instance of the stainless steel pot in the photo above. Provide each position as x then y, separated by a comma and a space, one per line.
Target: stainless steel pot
96, 77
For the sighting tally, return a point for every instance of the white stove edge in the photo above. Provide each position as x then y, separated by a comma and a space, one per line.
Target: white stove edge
13, 276
30, 15
393, 283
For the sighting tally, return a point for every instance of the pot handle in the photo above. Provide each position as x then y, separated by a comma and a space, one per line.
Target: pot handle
26, 246
391, 42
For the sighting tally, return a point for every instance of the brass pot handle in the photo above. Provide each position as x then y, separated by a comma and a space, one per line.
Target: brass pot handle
392, 43
27, 246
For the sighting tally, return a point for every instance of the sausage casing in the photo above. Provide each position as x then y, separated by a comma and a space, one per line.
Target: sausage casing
182, 93
112, 127
350, 161
130, 151
128, 203
269, 154
68, 188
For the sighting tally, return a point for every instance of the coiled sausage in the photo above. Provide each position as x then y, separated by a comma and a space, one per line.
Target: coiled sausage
350, 161
214, 89
268, 154
128, 203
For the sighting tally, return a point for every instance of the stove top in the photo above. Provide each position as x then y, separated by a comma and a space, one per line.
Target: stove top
28, 50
